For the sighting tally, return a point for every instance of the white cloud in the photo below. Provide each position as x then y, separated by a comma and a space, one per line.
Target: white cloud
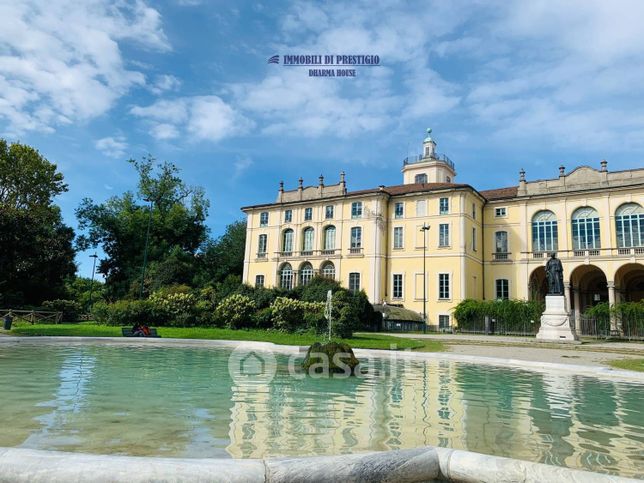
198, 117
241, 165
114, 147
163, 83
62, 62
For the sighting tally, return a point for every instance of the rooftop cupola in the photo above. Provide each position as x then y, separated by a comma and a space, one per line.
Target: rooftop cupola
428, 167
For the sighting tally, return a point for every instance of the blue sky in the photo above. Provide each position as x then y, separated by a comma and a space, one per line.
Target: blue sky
504, 85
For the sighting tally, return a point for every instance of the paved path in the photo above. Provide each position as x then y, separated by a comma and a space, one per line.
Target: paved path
595, 353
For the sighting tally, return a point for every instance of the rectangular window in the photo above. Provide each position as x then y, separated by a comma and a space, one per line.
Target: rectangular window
399, 210
501, 242
474, 210
288, 216
328, 212
502, 289
443, 235
263, 218
356, 209
356, 237
473, 239
398, 237
443, 206
259, 281
443, 321
308, 214
443, 286
354, 282
421, 208
261, 246
500, 212
398, 286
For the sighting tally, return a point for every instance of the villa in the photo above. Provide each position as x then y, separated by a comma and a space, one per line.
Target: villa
432, 242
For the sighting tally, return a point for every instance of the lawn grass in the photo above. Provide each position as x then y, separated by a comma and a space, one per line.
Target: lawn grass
362, 341
628, 364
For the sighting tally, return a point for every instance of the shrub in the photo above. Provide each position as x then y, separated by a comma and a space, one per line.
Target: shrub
289, 314
179, 307
127, 312
263, 318
236, 311
71, 309
515, 315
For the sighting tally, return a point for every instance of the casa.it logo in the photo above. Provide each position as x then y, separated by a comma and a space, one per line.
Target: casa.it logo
251, 366
328, 65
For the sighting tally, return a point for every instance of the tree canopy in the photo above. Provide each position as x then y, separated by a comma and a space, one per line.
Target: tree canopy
176, 216
36, 247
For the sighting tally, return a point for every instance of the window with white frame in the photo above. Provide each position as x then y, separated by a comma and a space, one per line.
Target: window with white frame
473, 239
397, 291
263, 218
288, 216
398, 237
328, 270
356, 237
443, 235
307, 239
329, 238
287, 241
420, 178
259, 281
501, 242
399, 209
585, 229
443, 206
356, 209
443, 286
443, 321
328, 212
286, 276
421, 208
474, 210
502, 289
629, 221
544, 231
500, 212
308, 214
306, 273
261, 245
354, 282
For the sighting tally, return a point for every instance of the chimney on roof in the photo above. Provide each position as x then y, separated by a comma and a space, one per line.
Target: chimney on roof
321, 179
300, 184
562, 171
523, 189
343, 183
604, 165
381, 187
604, 172
280, 191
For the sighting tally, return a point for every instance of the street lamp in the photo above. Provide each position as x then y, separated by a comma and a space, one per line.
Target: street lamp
145, 251
91, 285
424, 229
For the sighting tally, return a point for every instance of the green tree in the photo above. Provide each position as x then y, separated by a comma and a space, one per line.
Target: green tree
175, 214
36, 247
224, 256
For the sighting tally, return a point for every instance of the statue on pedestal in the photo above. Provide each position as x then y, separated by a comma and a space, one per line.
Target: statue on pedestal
554, 275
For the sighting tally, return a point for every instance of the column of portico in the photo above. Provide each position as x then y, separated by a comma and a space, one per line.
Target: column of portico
614, 325
577, 303
567, 292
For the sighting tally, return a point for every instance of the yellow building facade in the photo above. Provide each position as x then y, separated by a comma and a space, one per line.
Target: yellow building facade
467, 243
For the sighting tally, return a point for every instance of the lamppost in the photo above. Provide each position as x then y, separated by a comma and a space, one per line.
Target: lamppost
424, 229
91, 285
145, 251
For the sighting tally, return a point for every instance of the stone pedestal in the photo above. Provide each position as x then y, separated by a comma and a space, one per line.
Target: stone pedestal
555, 321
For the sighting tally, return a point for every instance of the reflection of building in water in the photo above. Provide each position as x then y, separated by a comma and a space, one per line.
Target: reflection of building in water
421, 406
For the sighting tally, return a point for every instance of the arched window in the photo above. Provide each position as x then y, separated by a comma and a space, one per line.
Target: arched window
544, 232
307, 240
286, 276
585, 229
420, 178
329, 238
287, 241
629, 219
306, 273
328, 270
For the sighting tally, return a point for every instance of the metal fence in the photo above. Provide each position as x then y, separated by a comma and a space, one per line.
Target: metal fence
629, 328
490, 326
33, 316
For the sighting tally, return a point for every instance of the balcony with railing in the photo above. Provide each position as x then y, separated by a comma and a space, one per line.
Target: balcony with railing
425, 159
586, 253
501, 257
